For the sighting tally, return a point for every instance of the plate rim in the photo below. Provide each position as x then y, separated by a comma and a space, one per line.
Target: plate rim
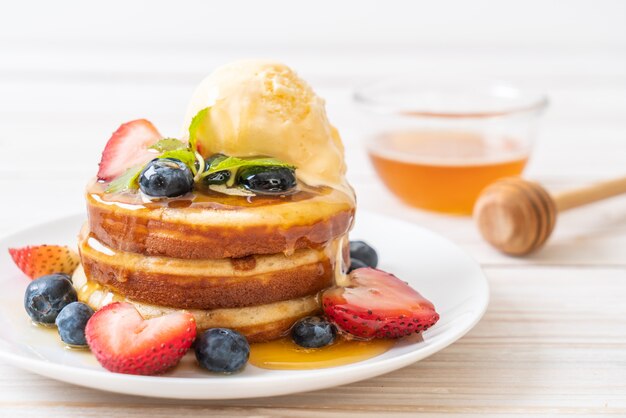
362, 370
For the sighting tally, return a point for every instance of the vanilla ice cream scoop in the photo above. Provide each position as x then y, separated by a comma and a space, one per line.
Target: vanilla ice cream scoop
262, 108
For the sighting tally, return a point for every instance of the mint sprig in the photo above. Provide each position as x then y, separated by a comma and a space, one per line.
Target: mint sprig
187, 156
200, 137
198, 128
169, 144
127, 181
234, 164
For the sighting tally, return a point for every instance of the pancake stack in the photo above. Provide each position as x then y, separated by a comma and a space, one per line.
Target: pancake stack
235, 258
254, 265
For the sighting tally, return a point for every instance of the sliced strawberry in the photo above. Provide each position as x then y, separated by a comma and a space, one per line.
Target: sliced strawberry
124, 342
378, 305
38, 260
128, 147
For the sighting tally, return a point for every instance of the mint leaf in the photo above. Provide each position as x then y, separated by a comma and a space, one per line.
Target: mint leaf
233, 163
198, 130
214, 160
187, 156
127, 181
169, 144
130, 179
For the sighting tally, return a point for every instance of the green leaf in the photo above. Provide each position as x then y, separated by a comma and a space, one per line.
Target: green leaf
187, 156
169, 144
199, 130
130, 179
233, 163
214, 160
127, 181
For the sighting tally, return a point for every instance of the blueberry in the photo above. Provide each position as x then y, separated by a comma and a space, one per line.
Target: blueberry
267, 180
355, 263
67, 276
364, 253
71, 323
313, 332
166, 177
222, 350
46, 296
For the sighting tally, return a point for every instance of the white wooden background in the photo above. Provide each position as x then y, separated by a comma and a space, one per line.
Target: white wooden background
554, 338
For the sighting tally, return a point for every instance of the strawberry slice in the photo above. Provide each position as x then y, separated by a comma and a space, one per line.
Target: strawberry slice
124, 342
128, 147
39, 260
378, 305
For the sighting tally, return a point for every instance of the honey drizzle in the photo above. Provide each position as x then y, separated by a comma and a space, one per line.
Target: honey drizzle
206, 198
93, 293
340, 261
284, 354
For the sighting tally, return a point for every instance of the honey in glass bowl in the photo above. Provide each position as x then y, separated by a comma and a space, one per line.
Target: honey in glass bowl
437, 146
443, 171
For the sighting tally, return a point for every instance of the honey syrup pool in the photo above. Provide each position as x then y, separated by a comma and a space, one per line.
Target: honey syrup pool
284, 354
444, 171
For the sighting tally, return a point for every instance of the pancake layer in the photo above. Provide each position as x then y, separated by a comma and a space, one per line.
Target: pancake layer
256, 323
219, 226
211, 283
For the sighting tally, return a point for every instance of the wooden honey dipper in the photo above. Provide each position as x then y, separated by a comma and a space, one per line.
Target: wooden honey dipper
517, 216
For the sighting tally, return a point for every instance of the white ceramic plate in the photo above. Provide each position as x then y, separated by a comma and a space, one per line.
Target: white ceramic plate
430, 263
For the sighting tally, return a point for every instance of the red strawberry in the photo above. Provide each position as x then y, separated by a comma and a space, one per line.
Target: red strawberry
128, 147
39, 260
378, 305
124, 342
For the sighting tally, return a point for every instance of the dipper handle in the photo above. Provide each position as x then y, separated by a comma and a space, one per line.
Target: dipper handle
517, 216
573, 198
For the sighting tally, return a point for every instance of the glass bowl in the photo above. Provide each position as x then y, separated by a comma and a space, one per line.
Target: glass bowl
436, 145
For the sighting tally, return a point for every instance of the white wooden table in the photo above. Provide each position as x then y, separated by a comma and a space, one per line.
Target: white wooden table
553, 340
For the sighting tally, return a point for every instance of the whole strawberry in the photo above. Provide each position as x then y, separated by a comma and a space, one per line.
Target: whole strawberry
124, 342
378, 305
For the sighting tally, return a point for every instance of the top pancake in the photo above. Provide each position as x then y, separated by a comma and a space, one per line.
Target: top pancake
215, 225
